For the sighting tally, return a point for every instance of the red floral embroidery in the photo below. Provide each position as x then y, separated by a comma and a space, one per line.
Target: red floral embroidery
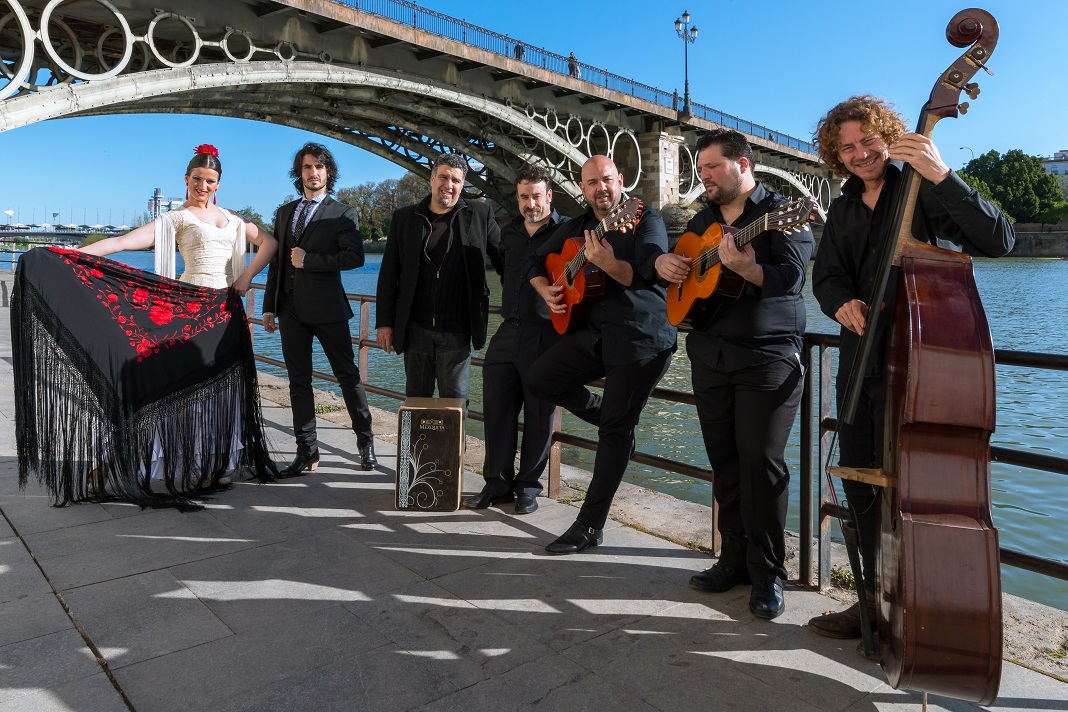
142, 310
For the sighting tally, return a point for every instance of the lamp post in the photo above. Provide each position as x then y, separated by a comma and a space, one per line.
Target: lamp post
969, 150
688, 35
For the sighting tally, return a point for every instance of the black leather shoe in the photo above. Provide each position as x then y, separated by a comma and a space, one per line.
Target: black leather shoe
766, 600
577, 538
525, 503
301, 463
367, 456
719, 578
484, 499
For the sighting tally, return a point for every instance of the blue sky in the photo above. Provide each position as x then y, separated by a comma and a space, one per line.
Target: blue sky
779, 63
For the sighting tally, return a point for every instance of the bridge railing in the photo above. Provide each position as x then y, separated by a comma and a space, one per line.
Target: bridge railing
817, 512
436, 23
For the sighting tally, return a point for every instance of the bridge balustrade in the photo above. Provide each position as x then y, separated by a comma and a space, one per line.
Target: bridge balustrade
436, 23
817, 511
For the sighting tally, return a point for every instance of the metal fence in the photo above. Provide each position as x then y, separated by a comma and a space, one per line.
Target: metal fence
816, 510
436, 23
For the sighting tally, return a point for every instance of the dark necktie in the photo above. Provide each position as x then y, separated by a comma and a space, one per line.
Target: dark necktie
302, 220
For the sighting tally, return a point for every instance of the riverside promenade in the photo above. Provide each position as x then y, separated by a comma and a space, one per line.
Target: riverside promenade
315, 594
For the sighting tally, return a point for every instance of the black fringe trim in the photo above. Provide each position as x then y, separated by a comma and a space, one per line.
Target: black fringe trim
81, 443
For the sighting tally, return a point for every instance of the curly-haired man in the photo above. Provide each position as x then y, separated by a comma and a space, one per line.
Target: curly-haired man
865, 141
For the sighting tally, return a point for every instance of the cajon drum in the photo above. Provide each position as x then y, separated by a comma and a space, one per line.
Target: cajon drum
430, 454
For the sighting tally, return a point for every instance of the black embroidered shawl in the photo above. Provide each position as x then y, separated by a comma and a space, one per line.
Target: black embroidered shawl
110, 362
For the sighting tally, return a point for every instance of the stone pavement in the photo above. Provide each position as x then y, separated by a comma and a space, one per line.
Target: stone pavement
314, 594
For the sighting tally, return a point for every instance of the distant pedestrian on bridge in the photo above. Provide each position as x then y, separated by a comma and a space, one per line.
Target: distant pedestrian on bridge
320, 238
519, 51
433, 298
573, 66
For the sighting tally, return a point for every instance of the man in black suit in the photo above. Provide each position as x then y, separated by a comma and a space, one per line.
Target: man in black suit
318, 237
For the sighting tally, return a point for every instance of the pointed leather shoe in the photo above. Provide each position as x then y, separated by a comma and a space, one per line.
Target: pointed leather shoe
367, 456
484, 499
766, 600
577, 538
303, 462
844, 624
721, 577
526, 503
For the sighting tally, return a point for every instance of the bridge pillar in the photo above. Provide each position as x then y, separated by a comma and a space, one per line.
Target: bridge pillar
658, 184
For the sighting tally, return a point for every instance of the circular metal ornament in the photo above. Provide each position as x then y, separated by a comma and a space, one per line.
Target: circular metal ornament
150, 38
23, 67
225, 44
285, 48
46, 16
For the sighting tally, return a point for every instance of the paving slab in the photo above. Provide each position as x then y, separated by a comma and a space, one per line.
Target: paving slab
144, 616
95, 693
32, 666
32, 615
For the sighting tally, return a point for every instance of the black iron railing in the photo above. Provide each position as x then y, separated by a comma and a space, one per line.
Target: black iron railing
817, 512
436, 23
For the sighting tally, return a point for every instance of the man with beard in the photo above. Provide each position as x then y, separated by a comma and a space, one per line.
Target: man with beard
525, 333
433, 299
627, 341
864, 140
318, 237
747, 373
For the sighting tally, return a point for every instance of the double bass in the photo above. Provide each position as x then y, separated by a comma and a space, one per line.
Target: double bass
939, 590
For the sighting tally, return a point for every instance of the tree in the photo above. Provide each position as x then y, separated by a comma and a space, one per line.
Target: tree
362, 198
984, 191
1018, 182
250, 214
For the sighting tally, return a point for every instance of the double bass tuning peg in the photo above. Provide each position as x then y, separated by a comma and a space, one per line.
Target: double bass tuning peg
972, 90
963, 107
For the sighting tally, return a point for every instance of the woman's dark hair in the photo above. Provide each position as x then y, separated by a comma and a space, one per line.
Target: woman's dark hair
205, 159
323, 155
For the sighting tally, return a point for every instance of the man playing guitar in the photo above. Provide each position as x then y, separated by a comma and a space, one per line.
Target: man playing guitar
747, 373
627, 340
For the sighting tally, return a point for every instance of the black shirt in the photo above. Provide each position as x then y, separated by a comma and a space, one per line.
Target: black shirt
520, 303
441, 300
950, 215
630, 321
766, 323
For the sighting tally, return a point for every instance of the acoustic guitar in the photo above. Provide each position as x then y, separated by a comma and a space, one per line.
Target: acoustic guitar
583, 282
694, 302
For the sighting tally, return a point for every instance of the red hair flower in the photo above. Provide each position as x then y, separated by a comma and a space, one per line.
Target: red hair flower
206, 148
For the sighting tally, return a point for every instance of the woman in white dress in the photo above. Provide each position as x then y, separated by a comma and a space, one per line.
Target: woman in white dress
211, 241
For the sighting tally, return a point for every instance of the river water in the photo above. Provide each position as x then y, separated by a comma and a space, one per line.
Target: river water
1027, 305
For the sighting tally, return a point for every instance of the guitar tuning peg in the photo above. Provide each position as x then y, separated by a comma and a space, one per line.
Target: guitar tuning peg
963, 107
972, 89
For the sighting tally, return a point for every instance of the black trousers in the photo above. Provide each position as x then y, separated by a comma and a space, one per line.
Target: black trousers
507, 391
560, 376
746, 416
336, 341
860, 444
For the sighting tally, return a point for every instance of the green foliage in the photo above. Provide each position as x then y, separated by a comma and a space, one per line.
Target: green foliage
91, 238
375, 202
250, 214
1018, 182
984, 191
843, 578
1053, 215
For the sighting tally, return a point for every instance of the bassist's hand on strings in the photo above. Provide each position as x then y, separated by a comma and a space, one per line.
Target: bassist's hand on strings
673, 268
853, 315
919, 152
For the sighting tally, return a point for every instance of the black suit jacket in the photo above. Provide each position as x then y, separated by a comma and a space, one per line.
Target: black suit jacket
333, 243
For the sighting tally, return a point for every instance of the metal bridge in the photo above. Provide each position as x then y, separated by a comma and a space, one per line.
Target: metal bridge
388, 76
